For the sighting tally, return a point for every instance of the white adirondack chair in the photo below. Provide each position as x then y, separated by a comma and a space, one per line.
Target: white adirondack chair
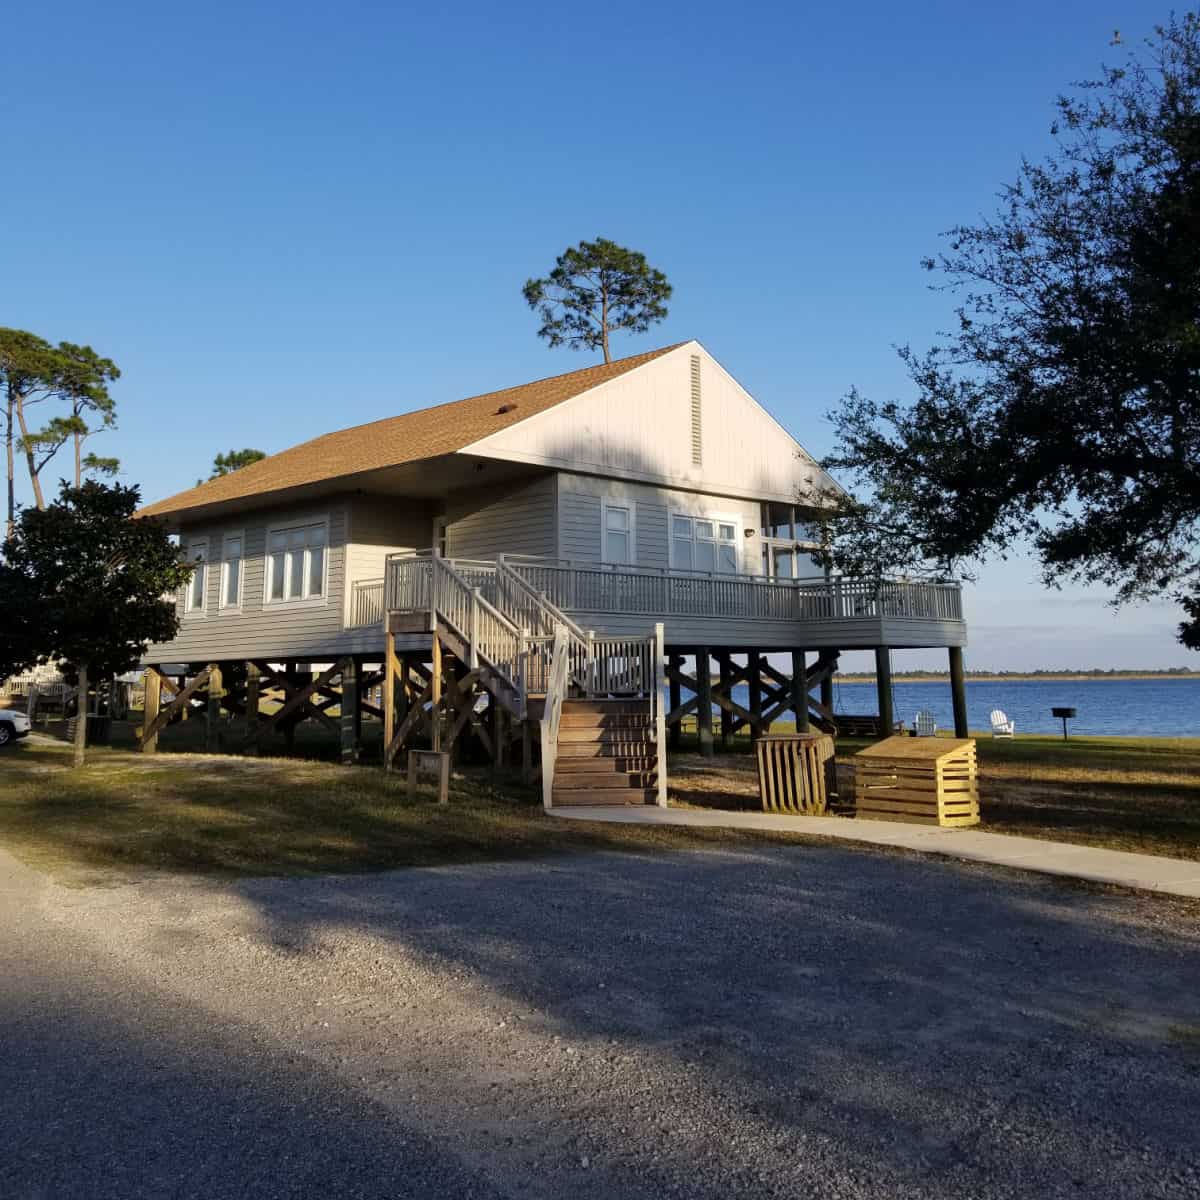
1001, 725
925, 724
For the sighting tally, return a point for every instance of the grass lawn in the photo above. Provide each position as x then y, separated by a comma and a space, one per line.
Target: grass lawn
217, 814
229, 814
1140, 794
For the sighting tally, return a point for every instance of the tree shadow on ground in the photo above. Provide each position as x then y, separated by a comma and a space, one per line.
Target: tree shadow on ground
943, 1030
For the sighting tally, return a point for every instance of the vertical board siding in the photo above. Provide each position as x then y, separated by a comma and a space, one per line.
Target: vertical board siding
487, 522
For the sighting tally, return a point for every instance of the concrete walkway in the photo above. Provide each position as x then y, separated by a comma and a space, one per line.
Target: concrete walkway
1170, 876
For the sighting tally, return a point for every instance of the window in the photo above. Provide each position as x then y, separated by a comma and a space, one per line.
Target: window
231, 572
618, 533
296, 564
197, 587
703, 544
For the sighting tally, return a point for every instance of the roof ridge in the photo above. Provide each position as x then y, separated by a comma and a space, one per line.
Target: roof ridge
512, 387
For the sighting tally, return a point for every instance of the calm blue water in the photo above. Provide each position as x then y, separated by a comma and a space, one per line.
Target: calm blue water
1117, 708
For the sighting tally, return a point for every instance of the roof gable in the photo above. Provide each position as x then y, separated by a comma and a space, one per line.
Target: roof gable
683, 422
393, 441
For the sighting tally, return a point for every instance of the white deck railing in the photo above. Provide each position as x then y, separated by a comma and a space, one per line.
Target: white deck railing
366, 603
594, 587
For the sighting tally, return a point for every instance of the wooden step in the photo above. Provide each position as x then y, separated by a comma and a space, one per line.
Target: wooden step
575, 751
570, 720
600, 781
575, 735
603, 764
606, 706
605, 796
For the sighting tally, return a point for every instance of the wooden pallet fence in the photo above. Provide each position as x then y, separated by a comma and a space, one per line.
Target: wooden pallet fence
921, 781
795, 773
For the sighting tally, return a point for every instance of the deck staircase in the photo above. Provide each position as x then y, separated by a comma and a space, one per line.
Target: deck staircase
602, 735
607, 753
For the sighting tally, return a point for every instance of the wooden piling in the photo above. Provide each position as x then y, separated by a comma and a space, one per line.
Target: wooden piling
704, 696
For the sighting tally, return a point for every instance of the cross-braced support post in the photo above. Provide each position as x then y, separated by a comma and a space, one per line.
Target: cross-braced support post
958, 692
883, 684
800, 689
704, 698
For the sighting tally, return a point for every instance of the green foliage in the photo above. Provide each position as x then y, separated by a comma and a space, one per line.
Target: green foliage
33, 371
235, 460
595, 289
87, 583
1064, 411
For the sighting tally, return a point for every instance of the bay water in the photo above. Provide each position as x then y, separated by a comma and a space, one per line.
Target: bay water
1156, 707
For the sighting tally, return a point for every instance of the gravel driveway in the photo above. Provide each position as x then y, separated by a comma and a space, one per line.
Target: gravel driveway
777, 1022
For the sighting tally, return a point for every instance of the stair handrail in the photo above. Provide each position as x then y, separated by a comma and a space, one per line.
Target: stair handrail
556, 692
480, 616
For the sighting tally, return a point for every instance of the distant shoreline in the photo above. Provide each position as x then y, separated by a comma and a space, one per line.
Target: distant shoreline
1064, 677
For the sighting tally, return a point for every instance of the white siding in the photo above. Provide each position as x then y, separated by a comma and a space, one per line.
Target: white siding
640, 425
514, 519
579, 504
380, 526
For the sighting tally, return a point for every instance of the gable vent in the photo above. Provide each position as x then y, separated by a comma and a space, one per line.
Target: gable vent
697, 429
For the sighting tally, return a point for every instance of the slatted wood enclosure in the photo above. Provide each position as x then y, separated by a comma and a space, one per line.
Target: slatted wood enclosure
795, 772
922, 781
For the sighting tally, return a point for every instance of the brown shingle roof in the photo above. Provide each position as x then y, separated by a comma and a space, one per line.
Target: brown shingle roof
394, 440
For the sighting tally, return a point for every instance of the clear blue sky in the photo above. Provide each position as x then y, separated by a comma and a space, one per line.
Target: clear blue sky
281, 218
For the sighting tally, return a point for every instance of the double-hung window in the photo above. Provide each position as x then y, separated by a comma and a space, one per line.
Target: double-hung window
618, 533
703, 544
231, 571
296, 563
197, 586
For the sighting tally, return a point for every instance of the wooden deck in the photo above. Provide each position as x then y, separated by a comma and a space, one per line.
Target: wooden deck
699, 608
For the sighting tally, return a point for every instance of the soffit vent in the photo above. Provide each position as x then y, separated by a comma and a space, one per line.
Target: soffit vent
697, 428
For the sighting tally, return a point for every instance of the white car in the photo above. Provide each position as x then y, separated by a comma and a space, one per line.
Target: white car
13, 725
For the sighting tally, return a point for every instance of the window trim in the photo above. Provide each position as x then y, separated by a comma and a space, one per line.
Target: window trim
717, 519
320, 601
202, 609
223, 574
629, 506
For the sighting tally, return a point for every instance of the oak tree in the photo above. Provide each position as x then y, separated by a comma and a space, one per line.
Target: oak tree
1063, 411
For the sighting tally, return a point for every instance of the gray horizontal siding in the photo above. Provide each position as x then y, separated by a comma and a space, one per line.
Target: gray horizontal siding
258, 630
651, 522
518, 520
579, 527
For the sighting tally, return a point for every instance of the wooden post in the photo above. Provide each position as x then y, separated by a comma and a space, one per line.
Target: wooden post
436, 694
348, 711
499, 737
153, 685
800, 690
726, 716
183, 716
389, 693
290, 687
754, 665
704, 708
253, 686
883, 684
673, 687
527, 752
958, 692
213, 715
827, 692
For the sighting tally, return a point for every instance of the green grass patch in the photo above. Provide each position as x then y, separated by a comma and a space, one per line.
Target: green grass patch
221, 814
